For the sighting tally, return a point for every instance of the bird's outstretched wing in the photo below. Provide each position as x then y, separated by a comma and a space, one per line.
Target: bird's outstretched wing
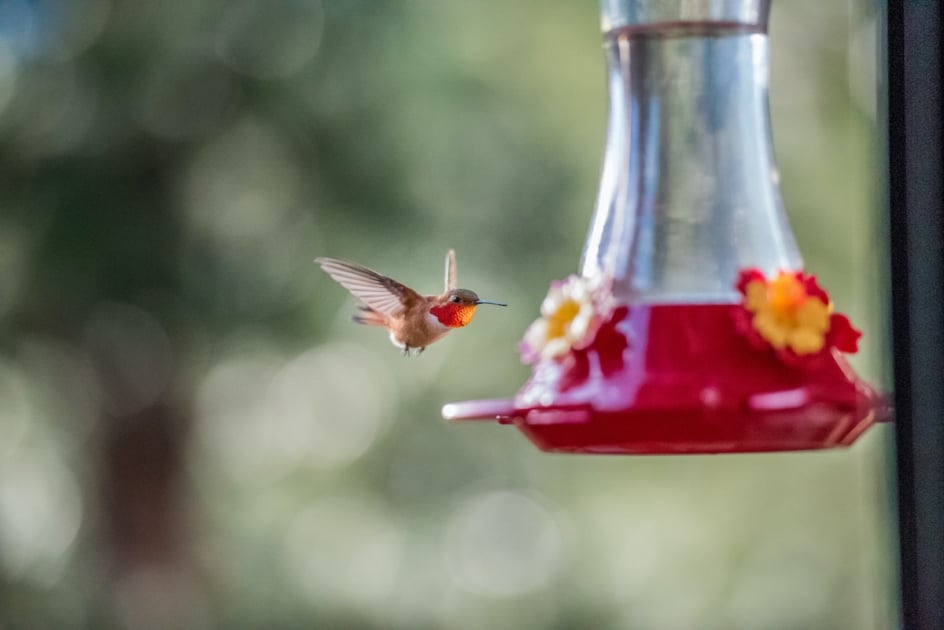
451, 271
379, 292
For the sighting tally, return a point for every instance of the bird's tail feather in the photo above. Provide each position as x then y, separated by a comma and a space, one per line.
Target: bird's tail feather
369, 317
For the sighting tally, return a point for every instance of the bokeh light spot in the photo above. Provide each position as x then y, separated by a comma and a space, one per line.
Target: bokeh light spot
232, 422
268, 39
502, 543
243, 186
40, 515
131, 354
322, 409
329, 404
343, 553
52, 110
67, 399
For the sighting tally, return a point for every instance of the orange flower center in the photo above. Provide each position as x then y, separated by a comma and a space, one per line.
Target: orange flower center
785, 293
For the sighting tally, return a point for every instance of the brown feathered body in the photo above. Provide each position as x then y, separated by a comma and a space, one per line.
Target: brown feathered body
415, 327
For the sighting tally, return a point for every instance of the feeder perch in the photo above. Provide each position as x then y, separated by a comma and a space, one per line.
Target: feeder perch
691, 327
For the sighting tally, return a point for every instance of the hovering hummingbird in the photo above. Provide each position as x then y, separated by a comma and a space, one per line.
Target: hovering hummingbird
414, 321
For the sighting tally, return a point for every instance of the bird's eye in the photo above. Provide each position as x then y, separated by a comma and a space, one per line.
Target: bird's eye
454, 298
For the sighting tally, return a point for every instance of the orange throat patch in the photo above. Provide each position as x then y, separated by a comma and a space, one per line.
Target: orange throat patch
454, 315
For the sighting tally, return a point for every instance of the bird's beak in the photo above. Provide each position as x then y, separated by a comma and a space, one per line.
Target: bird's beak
490, 302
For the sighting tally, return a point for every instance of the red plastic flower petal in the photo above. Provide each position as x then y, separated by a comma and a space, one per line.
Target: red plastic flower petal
842, 335
746, 276
607, 348
812, 287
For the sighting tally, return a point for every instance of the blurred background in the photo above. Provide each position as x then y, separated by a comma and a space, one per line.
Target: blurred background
192, 433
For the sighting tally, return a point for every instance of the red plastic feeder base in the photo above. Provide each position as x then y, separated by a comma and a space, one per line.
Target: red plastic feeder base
670, 379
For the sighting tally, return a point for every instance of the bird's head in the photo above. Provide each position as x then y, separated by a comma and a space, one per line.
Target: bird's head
458, 307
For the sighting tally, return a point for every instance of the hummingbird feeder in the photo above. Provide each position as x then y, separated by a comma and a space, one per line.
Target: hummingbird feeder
692, 326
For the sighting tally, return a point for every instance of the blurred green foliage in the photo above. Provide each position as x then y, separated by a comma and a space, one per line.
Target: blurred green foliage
167, 173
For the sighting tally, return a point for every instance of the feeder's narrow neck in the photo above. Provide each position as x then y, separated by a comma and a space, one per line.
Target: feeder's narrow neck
619, 14
688, 193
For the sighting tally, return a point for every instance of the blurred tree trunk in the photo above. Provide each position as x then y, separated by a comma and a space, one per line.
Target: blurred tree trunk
142, 499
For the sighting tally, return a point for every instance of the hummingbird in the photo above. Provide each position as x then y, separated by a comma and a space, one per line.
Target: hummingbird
413, 320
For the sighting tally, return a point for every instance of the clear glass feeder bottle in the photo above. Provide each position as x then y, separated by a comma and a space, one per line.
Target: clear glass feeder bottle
688, 199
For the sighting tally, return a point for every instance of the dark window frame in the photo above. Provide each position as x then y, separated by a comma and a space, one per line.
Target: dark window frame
915, 126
